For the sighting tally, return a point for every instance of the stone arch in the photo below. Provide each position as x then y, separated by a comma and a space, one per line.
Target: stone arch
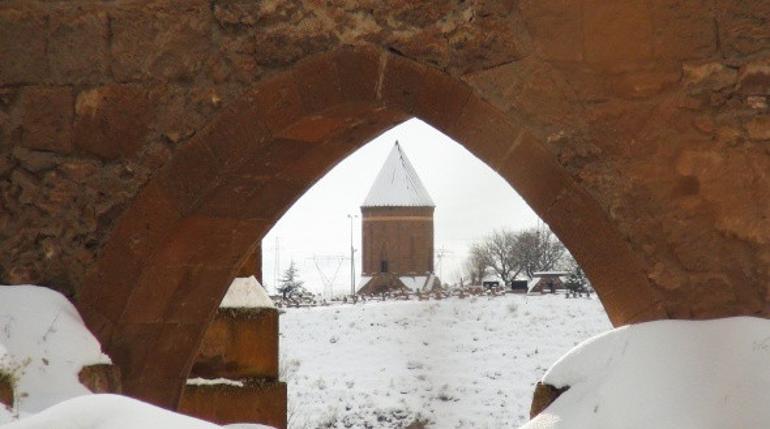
173, 252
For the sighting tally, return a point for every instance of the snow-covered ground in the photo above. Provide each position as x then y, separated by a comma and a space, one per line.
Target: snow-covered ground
457, 363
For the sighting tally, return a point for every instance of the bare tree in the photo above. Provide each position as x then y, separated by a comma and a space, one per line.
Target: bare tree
538, 249
499, 253
476, 264
509, 254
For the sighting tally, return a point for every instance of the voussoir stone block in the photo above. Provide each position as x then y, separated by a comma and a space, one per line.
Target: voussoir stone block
359, 73
423, 92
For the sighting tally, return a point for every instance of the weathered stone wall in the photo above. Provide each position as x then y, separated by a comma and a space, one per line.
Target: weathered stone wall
403, 236
658, 109
95, 97
638, 129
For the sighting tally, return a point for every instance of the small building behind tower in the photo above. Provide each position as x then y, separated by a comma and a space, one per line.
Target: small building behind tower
397, 230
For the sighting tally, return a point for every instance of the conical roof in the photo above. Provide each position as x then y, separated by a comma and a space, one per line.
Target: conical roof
397, 184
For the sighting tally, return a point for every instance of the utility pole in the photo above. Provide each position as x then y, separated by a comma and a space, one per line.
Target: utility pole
277, 266
352, 258
440, 254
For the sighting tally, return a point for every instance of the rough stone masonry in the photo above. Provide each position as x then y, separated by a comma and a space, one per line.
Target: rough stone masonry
146, 146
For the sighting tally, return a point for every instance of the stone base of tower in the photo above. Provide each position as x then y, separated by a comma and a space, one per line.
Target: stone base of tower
397, 283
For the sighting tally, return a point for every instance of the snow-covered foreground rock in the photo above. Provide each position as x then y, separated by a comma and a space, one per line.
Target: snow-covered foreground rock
458, 363
46, 345
113, 412
43, 346
666, 374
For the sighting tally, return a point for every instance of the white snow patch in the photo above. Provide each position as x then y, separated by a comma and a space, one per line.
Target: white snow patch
364, 280
417, 283
113, 412
213, 382
246, 292
665, 374
46, 345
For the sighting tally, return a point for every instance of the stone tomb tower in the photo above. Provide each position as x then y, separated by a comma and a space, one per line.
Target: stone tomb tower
397, 223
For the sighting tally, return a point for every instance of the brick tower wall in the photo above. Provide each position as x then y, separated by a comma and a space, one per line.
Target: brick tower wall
402, 236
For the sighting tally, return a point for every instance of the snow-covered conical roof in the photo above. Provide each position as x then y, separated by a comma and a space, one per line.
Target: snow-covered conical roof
397, 184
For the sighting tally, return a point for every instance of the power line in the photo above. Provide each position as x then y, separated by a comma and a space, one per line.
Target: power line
328, 283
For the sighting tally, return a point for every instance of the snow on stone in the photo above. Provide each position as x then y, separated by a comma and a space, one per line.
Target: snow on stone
213, 382
397, 184
246, 426
113, 412
47, 345
458, 363
246, 292
417, 283
665, 374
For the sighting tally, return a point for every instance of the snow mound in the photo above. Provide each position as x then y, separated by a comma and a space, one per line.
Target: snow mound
113, 412
665, 374
46, 346
246, 292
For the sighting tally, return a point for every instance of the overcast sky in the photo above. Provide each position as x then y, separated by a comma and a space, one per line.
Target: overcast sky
471, 201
